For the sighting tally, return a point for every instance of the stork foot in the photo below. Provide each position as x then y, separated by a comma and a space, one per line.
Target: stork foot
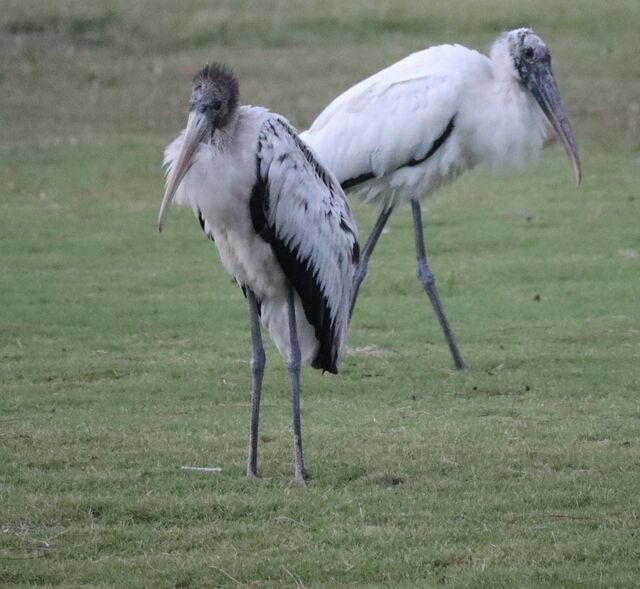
302, 478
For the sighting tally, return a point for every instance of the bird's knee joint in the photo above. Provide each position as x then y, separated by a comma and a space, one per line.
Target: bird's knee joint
361, 272
426, 276
293, 364
258, 362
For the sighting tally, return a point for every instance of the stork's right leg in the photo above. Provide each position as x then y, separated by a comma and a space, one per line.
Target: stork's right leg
258, 361
365, 254
428, 280
293, 365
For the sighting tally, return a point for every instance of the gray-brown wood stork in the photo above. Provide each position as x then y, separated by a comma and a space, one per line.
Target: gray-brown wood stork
405, 131
281, 224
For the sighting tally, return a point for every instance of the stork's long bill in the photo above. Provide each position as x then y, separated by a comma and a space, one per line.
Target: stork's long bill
545, 90
197, 126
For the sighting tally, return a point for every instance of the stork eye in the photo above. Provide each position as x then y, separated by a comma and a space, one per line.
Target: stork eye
528, 53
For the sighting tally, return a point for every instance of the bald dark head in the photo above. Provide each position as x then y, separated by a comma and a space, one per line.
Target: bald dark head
528, 50
522, 55
215, 94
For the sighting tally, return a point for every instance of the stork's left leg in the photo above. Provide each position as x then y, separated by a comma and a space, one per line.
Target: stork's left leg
428, 280
293, 365
258, 361
365, 254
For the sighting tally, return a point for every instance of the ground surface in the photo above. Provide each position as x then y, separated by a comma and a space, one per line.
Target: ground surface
123, 353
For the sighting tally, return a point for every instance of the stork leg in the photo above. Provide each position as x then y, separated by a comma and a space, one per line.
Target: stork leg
428, 280
293, 365
258, 361
365, 254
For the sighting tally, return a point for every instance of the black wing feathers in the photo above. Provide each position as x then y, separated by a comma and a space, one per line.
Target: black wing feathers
351, 182
436, 144
204, 227
298, 269
315, 305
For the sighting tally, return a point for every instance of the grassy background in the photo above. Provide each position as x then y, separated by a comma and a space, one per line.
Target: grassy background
123, 354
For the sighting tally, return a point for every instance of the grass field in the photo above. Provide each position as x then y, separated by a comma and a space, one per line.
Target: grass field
124, 353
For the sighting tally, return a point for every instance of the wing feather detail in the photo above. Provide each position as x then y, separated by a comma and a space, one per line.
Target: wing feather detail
298, 207
393, 118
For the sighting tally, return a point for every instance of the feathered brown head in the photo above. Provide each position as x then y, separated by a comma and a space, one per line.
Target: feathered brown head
215, 93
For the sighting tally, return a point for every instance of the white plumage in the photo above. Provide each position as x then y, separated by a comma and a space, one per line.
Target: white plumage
403, 132
306, 207
279, 220
397, 115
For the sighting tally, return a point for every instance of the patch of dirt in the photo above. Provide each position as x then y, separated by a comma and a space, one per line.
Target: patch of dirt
384, 479
629, 253
371, 351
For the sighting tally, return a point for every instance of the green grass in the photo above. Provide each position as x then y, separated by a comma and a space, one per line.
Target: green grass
123, 353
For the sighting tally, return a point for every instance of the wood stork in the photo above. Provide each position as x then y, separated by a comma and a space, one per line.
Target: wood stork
405, 131
281, 224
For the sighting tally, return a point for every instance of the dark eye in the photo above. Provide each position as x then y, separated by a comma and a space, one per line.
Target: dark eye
217, 103
528, 53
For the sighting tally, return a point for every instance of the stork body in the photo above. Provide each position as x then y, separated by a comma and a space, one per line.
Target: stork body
281, 225
416, 125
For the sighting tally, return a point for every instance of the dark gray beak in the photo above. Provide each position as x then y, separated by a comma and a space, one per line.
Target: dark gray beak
196, 130
545, 90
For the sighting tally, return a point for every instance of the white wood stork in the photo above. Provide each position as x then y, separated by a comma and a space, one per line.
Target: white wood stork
281, 224
405, 131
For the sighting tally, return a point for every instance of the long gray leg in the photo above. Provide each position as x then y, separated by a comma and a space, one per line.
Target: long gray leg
258, 361
365, 254
426, 276
293, 365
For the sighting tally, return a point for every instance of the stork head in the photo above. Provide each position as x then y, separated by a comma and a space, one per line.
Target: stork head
528, 60
214, 94
212, 104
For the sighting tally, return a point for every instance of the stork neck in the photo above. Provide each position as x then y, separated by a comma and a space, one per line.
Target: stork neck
512, 95
223, 136
509, 126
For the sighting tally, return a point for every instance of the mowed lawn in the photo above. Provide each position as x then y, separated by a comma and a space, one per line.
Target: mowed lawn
124, 353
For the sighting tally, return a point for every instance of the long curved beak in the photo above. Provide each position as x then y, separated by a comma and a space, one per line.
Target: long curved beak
197, 125
545, 90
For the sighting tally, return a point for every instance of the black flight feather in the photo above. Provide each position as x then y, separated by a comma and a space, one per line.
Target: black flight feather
351, 182
299, 272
